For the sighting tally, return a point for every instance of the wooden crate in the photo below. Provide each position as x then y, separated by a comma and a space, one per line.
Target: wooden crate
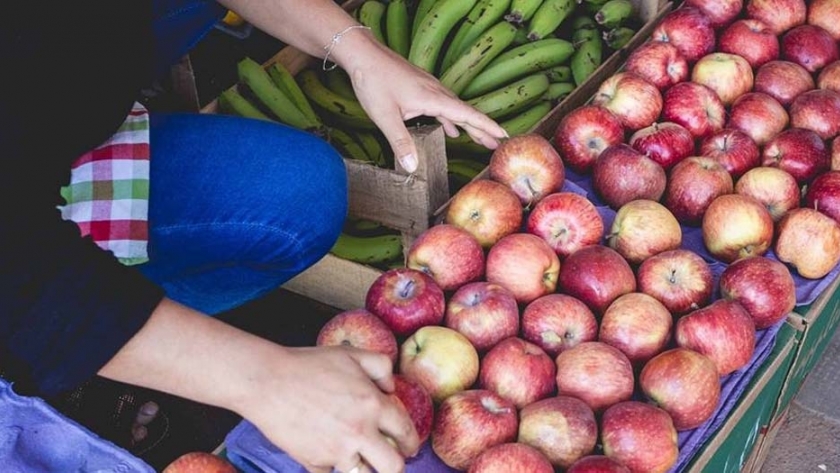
409, 203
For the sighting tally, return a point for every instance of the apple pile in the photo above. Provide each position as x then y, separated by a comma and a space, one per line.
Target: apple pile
729, 117
535, 334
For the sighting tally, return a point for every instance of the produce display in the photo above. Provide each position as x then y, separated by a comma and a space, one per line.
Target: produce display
583, 306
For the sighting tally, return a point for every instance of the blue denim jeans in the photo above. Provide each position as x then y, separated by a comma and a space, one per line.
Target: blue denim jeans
237, 206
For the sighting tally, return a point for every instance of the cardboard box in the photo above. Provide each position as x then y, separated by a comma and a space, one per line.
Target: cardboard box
408, 204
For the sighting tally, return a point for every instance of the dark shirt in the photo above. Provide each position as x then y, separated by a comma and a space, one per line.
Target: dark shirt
70, 72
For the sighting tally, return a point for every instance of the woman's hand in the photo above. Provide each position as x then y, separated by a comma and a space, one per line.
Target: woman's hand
328, 407
393, 90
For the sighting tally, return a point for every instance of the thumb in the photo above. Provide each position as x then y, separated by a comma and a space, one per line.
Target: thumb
377, 367
402, 144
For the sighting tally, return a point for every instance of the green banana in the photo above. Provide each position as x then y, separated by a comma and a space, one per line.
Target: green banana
591, 6
343, 110
468, 168
617, 38
423, 7
557, 91
232, 102
519, 62
484, 50
371, 146
522, 10
583, 21
588, 54
511, 98
559, 73
433, 30
548, 18
521, 36
613, 13
362, 227
258, 81
526, 120
348, 147
285, 81
339, 82
397, 32
371, 14
522, 122
375, 249
484, 14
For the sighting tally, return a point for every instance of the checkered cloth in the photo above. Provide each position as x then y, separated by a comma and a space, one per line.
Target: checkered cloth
108, 194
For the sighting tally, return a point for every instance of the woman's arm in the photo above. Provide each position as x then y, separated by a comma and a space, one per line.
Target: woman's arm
323, 406
389, 88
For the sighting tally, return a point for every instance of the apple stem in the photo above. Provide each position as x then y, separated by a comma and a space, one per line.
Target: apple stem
673, 278
407, 289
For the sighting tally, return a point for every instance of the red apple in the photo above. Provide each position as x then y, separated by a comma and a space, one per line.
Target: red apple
684, 383
643, 228
199, 462
835, 154
596, 275
360, 329
692, 185
598, 374
529, 165
732, 148
763, 286
659, 62
584, 132
667, 143
483, 312
632, 98
729, 75
525, 265
638, 325
751, 39
597, 464
783, 80
826, 15
680, 279
775, 188
622, 174
405, 299
567, 222
780, 15
736, 226
695, 107
640, 436
563, 428
723, 331
829, 77
824, 194
449, 254
417, 402
513, 456
809, 241
799, 151
518, 371
470, 422
487, 209
817, 110
720, 12
809, 46
758, 115
557, 322
689, 29
440, 360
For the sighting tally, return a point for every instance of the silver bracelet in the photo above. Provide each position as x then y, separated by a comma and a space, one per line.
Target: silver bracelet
332, 44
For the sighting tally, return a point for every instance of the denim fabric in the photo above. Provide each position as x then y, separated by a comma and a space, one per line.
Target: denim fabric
237, 207
178, 26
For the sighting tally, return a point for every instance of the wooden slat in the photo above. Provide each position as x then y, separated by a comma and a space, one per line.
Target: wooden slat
336, 282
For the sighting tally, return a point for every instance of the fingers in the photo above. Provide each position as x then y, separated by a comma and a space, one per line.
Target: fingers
377, 366
397, 426
382, 456
354, 464
400, 140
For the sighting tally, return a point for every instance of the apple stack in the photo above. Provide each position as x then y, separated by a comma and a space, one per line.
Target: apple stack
729, 117
524, 340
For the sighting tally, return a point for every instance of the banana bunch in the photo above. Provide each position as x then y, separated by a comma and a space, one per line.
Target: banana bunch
325, 106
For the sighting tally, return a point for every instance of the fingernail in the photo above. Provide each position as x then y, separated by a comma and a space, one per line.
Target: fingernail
409, 162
